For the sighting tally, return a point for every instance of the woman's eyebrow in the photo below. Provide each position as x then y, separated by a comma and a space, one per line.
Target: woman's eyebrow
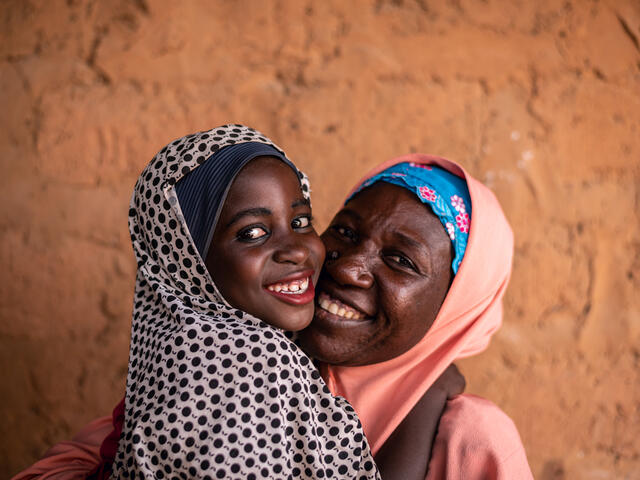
411, 242
249, 212
350, 213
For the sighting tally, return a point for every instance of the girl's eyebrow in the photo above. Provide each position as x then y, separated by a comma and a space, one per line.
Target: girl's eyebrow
302, 202
249, 212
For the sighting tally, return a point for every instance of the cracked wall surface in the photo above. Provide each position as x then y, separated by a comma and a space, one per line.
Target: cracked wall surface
540, 100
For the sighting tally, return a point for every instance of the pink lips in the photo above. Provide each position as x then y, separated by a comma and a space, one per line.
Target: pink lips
292, 297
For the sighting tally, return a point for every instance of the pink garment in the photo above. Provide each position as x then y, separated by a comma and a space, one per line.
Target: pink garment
477, 440
384, 393
74, 459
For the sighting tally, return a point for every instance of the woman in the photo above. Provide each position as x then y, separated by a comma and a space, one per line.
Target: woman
418, 260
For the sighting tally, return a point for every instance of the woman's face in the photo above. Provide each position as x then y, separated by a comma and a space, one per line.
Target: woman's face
265, 256
382, 292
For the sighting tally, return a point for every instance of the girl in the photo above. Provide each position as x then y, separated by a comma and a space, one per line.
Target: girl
221, 228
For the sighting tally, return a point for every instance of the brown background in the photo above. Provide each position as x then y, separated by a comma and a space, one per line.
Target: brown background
539, 99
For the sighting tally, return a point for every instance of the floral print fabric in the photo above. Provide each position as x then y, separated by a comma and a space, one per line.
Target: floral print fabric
446, 194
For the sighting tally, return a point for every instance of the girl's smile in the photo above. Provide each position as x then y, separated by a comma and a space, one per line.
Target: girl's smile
296, 289
265, 256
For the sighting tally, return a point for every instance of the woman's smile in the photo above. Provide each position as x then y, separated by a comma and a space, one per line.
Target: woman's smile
379, 295
340, 309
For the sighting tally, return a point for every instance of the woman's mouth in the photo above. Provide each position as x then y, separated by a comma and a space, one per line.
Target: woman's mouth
336, 307
296, 291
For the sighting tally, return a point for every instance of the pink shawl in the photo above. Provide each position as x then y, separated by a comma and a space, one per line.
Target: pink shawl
384, 393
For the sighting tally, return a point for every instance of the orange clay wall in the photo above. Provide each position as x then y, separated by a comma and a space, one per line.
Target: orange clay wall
539, 99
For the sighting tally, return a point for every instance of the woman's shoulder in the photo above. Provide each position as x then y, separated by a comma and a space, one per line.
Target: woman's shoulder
477, 414
475, 422
475, 436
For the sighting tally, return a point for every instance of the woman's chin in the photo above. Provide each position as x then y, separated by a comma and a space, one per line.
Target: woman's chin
324, 347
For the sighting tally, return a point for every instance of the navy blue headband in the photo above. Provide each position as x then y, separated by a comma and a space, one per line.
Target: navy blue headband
202, 192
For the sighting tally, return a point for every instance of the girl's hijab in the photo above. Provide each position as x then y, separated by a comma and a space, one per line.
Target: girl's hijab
202, 192
213, 392
384, 393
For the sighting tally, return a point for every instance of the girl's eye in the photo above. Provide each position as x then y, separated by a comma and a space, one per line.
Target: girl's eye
251, 233
303, 221
402, 261
345, 232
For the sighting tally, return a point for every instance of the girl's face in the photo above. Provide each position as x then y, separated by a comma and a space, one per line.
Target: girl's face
265, 256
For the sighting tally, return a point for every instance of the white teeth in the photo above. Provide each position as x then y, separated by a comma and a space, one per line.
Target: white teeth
338, 309
296, 287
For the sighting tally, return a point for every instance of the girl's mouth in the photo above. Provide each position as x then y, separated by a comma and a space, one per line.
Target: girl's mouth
296, 287
298, 291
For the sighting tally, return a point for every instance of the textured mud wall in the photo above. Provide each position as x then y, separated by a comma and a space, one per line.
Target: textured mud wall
540, 99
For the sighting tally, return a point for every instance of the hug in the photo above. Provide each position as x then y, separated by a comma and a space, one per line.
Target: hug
260, 350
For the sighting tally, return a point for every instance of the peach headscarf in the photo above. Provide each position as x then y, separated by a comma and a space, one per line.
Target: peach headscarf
384, 393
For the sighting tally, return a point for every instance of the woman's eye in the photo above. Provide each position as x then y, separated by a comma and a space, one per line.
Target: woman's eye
402, 261
251, 233
344, 232
301, 222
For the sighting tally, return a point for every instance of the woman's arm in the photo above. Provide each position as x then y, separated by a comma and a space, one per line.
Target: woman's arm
406, 453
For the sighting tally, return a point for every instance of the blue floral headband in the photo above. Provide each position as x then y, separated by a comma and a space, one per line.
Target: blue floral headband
446, 194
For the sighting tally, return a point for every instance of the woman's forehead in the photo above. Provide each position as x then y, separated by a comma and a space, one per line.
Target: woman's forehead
391, 212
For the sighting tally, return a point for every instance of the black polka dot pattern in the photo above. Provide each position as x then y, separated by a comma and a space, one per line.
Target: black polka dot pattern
213, 392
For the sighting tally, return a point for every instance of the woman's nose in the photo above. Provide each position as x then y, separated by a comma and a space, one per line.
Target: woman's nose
350, 270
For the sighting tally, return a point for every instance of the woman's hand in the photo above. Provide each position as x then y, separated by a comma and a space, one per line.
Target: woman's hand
450, 382
407, 452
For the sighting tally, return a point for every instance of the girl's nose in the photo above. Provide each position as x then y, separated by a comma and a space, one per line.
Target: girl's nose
350, 270
293, 251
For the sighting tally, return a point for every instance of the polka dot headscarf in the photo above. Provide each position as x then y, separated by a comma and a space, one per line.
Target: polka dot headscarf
213, 392
202, 192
